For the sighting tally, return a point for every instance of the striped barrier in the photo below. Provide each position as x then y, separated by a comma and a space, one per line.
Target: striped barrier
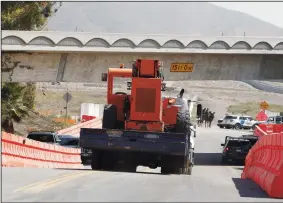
264, 164
267, 129
18, 151
22, 152
259, 132
75, 130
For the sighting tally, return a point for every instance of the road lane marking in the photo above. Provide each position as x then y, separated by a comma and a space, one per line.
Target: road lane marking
43, 185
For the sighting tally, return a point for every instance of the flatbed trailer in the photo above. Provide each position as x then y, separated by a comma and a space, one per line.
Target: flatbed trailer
126, 149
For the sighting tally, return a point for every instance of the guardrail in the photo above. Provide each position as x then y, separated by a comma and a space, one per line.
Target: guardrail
264, 164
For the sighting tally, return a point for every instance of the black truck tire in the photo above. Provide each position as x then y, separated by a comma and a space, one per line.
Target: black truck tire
95, 160
102, 160
107, 161
167, 170
109, 120
126, 167
182, 126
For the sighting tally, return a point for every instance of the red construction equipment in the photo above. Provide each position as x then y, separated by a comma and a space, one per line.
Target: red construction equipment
141, 128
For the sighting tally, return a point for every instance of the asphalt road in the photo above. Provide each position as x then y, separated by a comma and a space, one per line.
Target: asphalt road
210, 181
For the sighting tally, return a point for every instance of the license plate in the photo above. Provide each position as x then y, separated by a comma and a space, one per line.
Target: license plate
85, 154
182, 67
238, 150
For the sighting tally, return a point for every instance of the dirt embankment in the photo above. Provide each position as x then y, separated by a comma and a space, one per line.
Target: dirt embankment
36, 122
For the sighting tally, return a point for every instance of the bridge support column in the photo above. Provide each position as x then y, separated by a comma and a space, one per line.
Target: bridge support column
61, 68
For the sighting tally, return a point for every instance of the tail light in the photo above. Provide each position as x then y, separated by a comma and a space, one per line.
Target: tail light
226, 149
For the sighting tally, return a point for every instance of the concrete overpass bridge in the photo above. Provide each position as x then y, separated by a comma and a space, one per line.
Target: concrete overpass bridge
82, 57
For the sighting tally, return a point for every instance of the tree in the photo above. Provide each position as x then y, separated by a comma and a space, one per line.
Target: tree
12, 105
29, 95
26, 15
17, 99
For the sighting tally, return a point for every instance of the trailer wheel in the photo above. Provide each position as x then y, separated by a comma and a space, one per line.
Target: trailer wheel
125, 167
109, 120
183, 126
167, 170
95, 160
107, 162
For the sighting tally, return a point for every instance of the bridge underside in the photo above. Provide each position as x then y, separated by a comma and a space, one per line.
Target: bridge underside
87, 67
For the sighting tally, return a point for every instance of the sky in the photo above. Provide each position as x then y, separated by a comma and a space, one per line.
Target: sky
271, 12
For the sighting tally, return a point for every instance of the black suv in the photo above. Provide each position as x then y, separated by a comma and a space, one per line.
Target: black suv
237, 148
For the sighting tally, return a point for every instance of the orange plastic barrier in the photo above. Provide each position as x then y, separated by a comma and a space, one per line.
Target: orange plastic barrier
265, 129
259, 132
278, 128
21, 152
264, 164
75, 130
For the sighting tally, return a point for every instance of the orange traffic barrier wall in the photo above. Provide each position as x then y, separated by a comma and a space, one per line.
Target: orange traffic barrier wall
264, 164
22, 152
266, 129
278, 128
258, 131
75, 130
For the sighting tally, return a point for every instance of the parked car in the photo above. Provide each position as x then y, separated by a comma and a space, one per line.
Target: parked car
69, 141
247, 122
236, 122
220, 124
44, 136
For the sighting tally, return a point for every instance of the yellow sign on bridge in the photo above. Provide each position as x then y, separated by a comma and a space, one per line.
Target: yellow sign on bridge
182, 67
